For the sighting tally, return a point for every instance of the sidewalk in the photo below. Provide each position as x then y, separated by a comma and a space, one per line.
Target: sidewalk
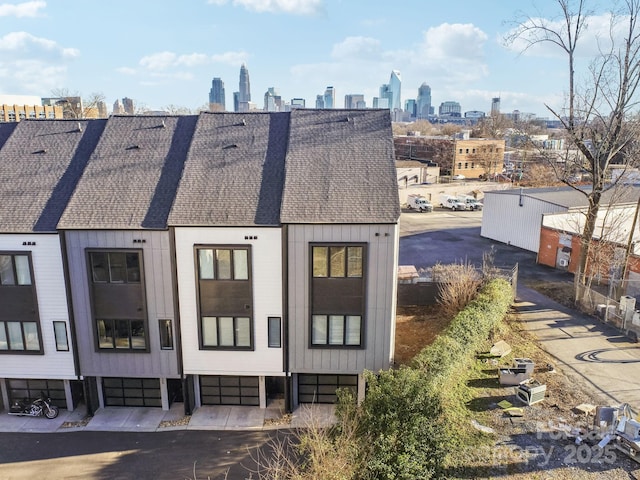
585, 348
141, 419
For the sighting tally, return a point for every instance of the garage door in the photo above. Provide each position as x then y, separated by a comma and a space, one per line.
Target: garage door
227, 390
20, 389
131, 392
322, 388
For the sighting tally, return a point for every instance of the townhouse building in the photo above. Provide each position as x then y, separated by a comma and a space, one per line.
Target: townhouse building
224, 258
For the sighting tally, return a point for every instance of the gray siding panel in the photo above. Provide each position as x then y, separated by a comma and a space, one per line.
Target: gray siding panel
159, 303
380, 290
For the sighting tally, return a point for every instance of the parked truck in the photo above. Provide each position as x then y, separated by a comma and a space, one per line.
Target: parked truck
418, 202
470, 202
452, 203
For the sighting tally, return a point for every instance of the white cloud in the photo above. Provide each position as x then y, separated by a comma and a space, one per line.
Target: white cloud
294, 7
454, 41
359, 48
26, 9
126, 70
234, 59
23, 43
158, 61
32, 76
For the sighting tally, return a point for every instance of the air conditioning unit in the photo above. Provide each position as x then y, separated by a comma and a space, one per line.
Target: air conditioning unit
563, 262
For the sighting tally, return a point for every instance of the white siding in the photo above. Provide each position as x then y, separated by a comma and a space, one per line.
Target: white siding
380, 310
52, 306
159, 302
266, 274
514, 219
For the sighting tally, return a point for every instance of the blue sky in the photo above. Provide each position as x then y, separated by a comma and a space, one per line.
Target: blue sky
166, 52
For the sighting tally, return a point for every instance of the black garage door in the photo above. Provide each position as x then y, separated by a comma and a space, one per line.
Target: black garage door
227, 390
131, 392
19, 389
322, 388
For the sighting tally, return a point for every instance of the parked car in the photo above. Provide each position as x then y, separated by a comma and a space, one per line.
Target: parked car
458, 176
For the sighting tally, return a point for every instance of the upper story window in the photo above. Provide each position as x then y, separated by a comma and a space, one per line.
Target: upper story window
225, 298
19, 323
337, 296
115, 267
14, 270
223, 264
337, 261
118, 300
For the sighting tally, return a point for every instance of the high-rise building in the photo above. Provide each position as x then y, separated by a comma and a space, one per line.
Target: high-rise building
320, 101
450, 109
395, 83
217, 100
118, 108
127, 103
379, 102
410, 106
495, 106
423, 102
330, 97
273, 100
354, 101
385, 93
297, 103
244, 91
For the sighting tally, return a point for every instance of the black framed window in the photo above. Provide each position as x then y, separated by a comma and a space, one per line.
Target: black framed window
337, 330
60, 333
19, 336
225, 297
337, 261
19, 322
337, 291
230, 332
115, 267
121, 334
166, 334
274, 332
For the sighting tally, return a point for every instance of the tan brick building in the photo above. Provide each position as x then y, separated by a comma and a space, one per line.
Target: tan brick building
477, 157
15, 113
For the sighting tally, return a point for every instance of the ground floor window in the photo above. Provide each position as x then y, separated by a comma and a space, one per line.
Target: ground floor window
322, 388
229, 390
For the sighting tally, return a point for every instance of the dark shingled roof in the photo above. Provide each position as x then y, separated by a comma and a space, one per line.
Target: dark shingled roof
40, 163
133, 173
340, 168
234, 171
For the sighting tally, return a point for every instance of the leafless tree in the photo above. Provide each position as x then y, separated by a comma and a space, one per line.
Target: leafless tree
74, 106
599, 121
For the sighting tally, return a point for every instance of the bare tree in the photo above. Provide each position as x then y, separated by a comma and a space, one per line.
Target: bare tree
74, 106
598, 120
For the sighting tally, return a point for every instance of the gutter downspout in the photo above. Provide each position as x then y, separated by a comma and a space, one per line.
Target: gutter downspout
288, 401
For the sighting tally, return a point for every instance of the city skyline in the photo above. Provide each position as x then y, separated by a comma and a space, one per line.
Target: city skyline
299, 47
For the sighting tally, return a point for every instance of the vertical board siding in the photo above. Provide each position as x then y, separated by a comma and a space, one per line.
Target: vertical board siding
380, 302
159, 303
48, 273
266, 275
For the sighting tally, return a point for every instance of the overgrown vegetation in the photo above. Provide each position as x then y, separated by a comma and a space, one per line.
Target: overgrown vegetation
411, 419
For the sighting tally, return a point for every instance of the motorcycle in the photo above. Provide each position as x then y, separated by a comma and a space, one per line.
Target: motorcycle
34, 408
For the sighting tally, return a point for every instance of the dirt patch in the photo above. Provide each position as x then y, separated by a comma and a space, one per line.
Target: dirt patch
416, 327
540, 444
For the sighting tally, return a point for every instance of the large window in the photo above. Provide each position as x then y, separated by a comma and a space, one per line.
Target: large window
19, 329
337, 295
14, 270
225, 298
118, 300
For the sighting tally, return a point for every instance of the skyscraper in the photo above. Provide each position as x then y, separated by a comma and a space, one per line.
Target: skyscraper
354, 101
216, 95
423, 107
395, 103
273, 100
244, 91
128, 106
330, 98
495, 106
320, 101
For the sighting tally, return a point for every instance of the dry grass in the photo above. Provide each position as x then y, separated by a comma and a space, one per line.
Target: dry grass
417, 327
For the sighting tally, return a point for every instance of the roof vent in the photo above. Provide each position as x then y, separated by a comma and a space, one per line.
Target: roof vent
79, 127
42, 150
162, 125
227, 147
242, 123
133, 147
